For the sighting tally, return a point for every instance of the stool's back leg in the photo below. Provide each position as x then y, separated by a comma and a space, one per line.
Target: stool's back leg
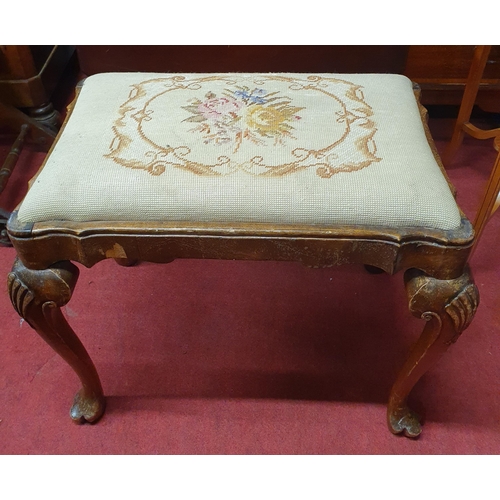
126, 262
38, 295
448, 306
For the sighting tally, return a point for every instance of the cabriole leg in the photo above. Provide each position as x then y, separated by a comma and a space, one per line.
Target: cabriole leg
448, 307
38, 296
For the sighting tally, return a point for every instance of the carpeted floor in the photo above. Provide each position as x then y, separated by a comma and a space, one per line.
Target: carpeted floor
225, 357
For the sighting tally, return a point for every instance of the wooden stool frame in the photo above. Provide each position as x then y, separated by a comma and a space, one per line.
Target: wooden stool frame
438, 282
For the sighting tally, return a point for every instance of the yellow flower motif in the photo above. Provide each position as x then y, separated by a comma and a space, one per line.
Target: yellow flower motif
243, 115
269, 119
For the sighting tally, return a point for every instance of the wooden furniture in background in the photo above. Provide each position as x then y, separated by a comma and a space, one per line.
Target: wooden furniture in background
243, 58
490, 200
440, 70
28, 76
24, 128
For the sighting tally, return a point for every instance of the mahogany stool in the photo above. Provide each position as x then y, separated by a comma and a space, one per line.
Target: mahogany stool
321, 169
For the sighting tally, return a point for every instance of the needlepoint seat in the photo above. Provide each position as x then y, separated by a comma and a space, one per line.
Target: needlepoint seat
323, 169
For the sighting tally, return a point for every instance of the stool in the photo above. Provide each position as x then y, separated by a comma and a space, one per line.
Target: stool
321, 169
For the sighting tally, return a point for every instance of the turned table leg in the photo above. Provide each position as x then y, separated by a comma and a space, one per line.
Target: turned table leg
47, 116
38, 296
448, 307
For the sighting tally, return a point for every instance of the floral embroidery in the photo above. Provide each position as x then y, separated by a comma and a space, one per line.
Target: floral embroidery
247, 114
243, 114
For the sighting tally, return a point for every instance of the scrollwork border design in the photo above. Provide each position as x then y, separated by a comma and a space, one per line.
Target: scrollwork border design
133, 149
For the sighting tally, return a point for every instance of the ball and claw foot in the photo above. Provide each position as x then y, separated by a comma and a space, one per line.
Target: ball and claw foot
87, 408
405, 421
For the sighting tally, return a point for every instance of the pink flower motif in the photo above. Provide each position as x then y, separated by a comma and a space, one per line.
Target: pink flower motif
215, 109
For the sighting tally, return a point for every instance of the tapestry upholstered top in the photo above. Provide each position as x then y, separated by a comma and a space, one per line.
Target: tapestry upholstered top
266, 148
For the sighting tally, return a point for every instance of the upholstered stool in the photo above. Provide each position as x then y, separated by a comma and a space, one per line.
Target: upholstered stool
321, 169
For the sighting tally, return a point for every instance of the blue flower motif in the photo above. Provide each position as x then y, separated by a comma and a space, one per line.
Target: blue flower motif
257, 100
241, 93
255, 96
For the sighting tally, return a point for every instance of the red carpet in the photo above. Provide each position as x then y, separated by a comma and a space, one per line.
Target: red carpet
223, 357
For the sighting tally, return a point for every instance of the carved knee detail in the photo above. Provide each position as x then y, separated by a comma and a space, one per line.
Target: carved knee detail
45, 288
456, 299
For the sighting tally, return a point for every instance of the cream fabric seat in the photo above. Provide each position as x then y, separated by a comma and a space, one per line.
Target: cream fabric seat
272, 148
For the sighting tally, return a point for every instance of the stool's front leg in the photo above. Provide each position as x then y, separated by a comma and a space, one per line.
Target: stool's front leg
448, 306
38, 296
